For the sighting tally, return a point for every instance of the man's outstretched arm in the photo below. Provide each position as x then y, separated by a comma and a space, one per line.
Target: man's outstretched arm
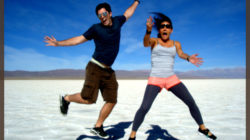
130, 11
51, 41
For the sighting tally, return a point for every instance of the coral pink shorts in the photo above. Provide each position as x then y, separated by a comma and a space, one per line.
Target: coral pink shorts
164, 82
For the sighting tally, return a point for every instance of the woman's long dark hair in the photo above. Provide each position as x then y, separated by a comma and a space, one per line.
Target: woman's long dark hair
159, 18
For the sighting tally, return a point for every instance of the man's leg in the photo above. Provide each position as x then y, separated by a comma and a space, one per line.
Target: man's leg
104, 113
76, 98
89, 92
65, 101
108, 87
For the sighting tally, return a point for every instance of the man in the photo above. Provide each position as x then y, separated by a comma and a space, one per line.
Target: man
99, 74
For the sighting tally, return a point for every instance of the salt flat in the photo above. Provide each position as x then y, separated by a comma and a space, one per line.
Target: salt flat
32, 111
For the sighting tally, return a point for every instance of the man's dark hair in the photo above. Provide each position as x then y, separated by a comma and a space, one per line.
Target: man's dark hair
103, 5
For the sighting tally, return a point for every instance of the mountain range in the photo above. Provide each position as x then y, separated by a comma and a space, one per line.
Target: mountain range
125, 74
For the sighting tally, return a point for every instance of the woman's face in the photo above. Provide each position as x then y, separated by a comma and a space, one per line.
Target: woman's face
165, 30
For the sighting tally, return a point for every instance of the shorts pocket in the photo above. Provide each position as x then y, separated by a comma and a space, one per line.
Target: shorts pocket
88, 91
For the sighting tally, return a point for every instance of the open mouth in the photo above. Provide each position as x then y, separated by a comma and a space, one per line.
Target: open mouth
104, 20
165, 33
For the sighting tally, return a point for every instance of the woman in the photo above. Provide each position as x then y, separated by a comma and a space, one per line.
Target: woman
163, 51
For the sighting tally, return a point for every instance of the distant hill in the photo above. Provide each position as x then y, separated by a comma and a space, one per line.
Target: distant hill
125, 74
215, 73
52, 74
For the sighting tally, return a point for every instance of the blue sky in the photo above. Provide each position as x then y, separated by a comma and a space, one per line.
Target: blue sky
215, 29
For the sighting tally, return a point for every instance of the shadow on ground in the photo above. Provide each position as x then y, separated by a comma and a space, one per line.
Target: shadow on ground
115, 132
157, 133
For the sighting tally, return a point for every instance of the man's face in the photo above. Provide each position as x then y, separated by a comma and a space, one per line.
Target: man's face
105, 17
165, 30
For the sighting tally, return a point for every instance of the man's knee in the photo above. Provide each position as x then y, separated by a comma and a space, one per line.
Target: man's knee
90, 102
112, 103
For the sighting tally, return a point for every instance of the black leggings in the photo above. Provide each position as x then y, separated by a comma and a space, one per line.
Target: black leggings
150, 94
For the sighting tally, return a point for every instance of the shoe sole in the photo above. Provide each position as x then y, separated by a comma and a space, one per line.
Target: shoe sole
96, 134
200, 134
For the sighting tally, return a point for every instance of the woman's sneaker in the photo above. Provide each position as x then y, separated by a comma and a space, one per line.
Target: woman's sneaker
206, 132
64, 105
98, 131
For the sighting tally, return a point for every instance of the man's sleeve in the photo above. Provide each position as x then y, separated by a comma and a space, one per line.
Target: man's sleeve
121, 19
90, 33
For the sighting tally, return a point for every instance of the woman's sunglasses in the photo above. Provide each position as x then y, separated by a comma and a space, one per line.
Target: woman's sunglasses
168, 26
103, 14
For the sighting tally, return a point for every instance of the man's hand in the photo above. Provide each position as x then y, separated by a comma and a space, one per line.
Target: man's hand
68, 42
130, 11
51, 41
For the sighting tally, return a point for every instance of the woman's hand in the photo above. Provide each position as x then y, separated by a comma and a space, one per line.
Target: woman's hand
150, 23
197, 61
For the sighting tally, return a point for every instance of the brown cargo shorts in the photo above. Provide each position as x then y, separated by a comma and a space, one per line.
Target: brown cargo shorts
99, 78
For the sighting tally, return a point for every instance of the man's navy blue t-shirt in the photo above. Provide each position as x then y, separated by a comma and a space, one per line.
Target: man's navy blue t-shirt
107, 40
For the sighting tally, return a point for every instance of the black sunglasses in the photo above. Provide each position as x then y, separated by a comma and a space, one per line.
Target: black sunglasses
168, 26
103, 14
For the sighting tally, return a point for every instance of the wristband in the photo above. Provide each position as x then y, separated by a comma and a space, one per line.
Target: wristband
148, 32
188, 58
138, 1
